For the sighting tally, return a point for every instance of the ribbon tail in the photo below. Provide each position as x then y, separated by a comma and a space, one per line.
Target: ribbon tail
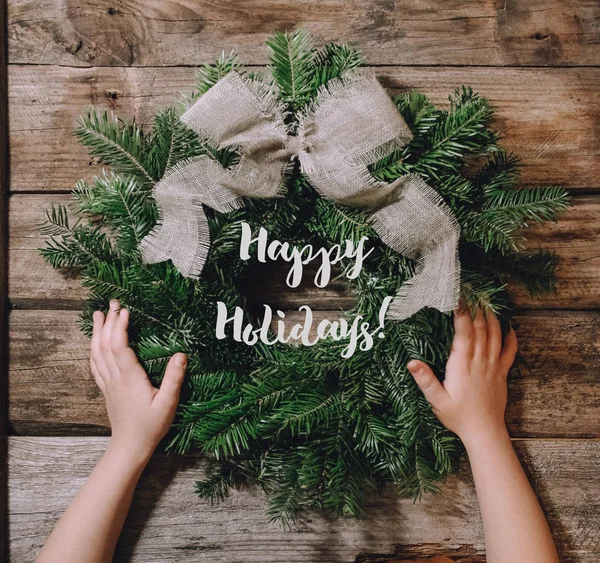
182, 232
421, 226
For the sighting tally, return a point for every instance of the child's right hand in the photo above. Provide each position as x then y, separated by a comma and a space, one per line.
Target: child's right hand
472, 398
140, 415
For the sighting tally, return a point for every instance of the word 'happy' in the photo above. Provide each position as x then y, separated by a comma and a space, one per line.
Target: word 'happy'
276, 250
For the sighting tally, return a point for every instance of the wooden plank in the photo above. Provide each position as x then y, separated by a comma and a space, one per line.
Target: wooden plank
167, 522
168, 33
51, 392
32, 282
554, 393
575, 239
4, 305
549, 117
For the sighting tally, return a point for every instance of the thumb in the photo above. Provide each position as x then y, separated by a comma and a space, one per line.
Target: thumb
168, 394
428, 383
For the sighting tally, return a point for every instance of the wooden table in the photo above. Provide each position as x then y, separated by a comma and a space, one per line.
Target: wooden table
537, 60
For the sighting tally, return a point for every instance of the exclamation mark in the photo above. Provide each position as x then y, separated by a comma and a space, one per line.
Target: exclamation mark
382, 313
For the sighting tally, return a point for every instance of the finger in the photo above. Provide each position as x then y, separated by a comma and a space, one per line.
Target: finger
168, 394
462, 342
96, 346
98, 324
123, 355
429, 384
494, 339
119, 336
111, 318
107, 332
509, 350
97, 378
480, 335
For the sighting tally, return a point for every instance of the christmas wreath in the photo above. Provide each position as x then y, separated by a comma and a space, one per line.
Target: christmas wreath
176, 228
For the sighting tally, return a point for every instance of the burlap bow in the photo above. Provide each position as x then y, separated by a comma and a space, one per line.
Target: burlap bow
351, 124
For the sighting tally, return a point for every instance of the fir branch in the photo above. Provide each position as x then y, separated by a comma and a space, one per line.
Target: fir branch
122, 204
417, 110
505, 211
121, 145
479, 291
217, 486
76, 246
452, 135
209, 74
292, 66
171, 141
333, 61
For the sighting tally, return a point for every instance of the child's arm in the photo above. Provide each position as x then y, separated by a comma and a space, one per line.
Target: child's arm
140, 415
471, 402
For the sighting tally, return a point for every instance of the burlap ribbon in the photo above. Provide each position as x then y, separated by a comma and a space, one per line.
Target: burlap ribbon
351, 124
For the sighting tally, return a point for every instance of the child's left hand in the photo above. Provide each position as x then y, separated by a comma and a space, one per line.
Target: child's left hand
140, 414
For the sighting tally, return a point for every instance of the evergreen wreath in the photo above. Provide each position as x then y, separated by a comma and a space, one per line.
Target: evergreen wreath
314, 430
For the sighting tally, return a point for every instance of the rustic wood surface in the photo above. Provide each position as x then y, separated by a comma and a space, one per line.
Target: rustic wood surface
169, 33
237, 531
552, 124
554, 393
539, 63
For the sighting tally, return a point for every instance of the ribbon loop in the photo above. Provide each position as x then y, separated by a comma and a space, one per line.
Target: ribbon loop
351, 124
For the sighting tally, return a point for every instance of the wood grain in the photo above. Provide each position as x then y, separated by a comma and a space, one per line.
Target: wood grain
552, 124
554, 392
168, 33
575, 238
32, 282
167, 522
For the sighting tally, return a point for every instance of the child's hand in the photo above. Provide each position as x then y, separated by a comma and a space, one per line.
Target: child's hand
140, 415
472, 399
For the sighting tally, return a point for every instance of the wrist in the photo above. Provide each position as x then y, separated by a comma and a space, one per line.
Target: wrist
134, 456
484, 437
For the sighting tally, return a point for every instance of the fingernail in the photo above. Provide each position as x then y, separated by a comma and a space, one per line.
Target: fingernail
180, 360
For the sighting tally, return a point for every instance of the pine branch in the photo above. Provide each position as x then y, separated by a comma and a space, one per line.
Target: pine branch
506, 211
479, 291
452, 135
124, 206
114, 142
535, 272
171, 141
417, 110
217, 486
76, 246
292, 66
209, 74
333, 61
